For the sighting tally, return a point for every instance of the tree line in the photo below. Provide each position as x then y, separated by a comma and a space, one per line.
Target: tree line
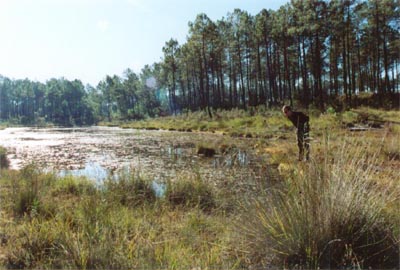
69, 103
308, 52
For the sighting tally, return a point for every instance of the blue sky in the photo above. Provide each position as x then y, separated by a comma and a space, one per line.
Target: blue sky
89, 39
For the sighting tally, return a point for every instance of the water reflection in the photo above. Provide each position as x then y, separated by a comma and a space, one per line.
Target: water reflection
91, 170
159, 188
236, 157
174, 152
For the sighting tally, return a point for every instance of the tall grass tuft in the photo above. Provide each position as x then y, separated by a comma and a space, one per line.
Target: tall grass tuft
4, 162
34, 244
329, 214
191, 192
28, 188
130, 190
73, 186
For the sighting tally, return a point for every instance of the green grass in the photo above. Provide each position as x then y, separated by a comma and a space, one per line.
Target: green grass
268, 124
236, 123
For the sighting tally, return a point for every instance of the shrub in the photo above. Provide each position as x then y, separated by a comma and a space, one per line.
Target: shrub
329, 214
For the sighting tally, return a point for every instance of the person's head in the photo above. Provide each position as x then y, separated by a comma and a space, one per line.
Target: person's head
287, 110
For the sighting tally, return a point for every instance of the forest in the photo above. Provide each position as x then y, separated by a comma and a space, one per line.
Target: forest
316, 54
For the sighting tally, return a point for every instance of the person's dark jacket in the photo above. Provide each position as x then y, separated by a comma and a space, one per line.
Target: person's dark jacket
298, 119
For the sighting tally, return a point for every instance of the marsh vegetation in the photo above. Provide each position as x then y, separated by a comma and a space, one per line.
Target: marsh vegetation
340, 210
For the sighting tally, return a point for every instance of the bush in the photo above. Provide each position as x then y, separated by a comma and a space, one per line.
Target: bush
329, 215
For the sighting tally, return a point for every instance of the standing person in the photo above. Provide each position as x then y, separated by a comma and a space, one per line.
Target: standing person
301, 122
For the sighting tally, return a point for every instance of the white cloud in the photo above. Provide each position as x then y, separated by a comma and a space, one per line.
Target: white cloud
103, 25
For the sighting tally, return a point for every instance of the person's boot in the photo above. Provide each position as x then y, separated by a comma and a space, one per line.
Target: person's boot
301, 154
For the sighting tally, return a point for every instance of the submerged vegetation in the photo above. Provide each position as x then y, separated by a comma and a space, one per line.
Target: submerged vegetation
340, 210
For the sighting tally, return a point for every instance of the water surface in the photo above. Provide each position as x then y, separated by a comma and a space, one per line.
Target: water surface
100, 152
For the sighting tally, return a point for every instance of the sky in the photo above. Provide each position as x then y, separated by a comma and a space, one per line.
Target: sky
89, 39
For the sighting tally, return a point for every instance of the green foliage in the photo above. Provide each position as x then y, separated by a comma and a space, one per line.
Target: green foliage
330, 110
58, 101
220, 75
348, 117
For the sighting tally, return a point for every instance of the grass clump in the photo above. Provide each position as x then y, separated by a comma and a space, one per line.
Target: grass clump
130, 190
327, 215
191, 192
28, 189
4, 162
70, 185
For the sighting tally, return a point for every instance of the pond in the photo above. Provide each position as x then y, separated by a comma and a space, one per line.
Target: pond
101, 152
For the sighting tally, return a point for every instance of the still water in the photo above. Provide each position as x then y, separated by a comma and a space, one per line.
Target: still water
102, 152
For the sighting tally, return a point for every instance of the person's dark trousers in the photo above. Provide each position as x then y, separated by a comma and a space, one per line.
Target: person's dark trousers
303, 140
